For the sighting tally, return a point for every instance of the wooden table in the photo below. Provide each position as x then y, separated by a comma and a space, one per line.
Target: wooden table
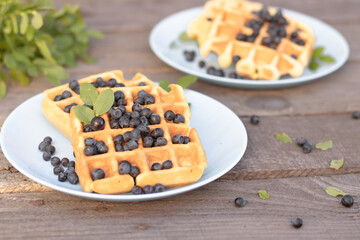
295, 181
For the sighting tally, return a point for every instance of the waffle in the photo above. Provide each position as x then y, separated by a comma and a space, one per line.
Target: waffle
54, 110
217, 27
189, 160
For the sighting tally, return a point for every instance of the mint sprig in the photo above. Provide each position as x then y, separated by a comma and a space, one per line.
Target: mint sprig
101, 102
318, 57
184, 82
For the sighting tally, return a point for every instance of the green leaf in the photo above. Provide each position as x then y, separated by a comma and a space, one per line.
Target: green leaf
24, 23
327, 59
64, 41
263, 194
164, 84
21, 57
30, 33
2, 88
19, 76
88, 93
185, 81
324, 145
317, 52
84, 114
183, 37
9, 60
282, 137
33, 71
14, 24
95, 34
37, 20
55, 74
7, 28
44, 50
313, 66
332, 191
104, 102
337, 164
189, 103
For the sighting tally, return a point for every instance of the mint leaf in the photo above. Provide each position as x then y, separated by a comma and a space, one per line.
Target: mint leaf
185, 81
37, 20
313, 66
88, 93
84, 114
183, 37
282, 137
327, 59
104, 102
324, 145
317, 52
337, 164
332, 191
263, 194
164, 84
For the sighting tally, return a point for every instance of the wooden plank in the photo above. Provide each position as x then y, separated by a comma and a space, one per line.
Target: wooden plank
200, 214
267, 158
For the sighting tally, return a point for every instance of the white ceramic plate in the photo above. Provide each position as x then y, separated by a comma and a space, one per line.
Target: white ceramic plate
222, 134
169, 29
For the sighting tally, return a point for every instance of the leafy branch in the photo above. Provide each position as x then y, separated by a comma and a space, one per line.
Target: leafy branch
317, 57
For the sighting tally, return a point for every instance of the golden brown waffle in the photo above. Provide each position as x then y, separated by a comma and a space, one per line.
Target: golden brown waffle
189, 160
216, 30
54, 110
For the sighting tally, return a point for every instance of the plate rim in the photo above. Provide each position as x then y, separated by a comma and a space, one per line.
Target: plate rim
249, 84
118, 197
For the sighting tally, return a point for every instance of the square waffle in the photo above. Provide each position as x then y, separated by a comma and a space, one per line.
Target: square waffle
217, 29
189, 160
54, 110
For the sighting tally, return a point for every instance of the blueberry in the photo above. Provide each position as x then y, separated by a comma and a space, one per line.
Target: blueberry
137, 190
99, 80
293, 56
159, 188
156, 167
134, 122
112, 82
300, 42
347, 201
124, 122
154, 119
58, 98
97, 123
254, 119
186, 140
70, 170
124, 167
122, 109
139, 101
87, 128
135, 115
121, 102
125, 148
134, 171
266, 40
77, 90
144, 120
118, 139
141, 94
148, 142
177, 139
179, 118
119, 85
95, 84
62, 176
294, 35
149, 99
102, 83
297, 222
146, 112
50, 149
160, 142
142, 84
241, 37
144, 130
116, 114
64, 162
114, 124
301, 141
46, 156
211, 71
67, 108
276, 39
48, 139
169, 115
97, 174
240, 202
73, 178
148, 189
135, 134
55, 161
157, 132
306, 148
236, 58
43, 145
127, 114
88, 106
58, 169
90, 150
209, 19
74, 84
233, 75
119, 148
119, 95
71, 164
90, 142
167, 164
66, 94
202, 64
101, 147
356, 115
127, 136
132, 144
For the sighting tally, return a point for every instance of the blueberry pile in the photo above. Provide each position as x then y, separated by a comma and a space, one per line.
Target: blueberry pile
144, 98
65, 94
93, 147
130, 138
171, 116
304, 144
189, 55
48, 150
125, 167
100, 82
178, 139
136, 190
165, 165
294, 37
156, 139
97, 123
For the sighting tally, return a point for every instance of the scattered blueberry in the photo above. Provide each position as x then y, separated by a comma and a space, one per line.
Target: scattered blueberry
148, 189
66, 94
62, 176
55, 161
179, 118
112, 82
137, 190
177, 139
149, 99
97, 174
145, 112
156, 167
186, 140
87, 128
46, 156
90, 150
169, 115
73, 85
132, 144
157, 132
167, 164
101, 147
148, 142
306, 148
356, 115
64, 162
90, 142
73, 178
159, 188
189, 55
58, 98
124, 167
134, 171
240, 202
160, 141
50, 149
255, 119
301, 141
202, 64
154, 119
58, 169
71, 164
97, 123
347, 201
297, 222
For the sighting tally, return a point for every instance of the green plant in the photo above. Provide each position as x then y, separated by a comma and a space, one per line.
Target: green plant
36, 39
